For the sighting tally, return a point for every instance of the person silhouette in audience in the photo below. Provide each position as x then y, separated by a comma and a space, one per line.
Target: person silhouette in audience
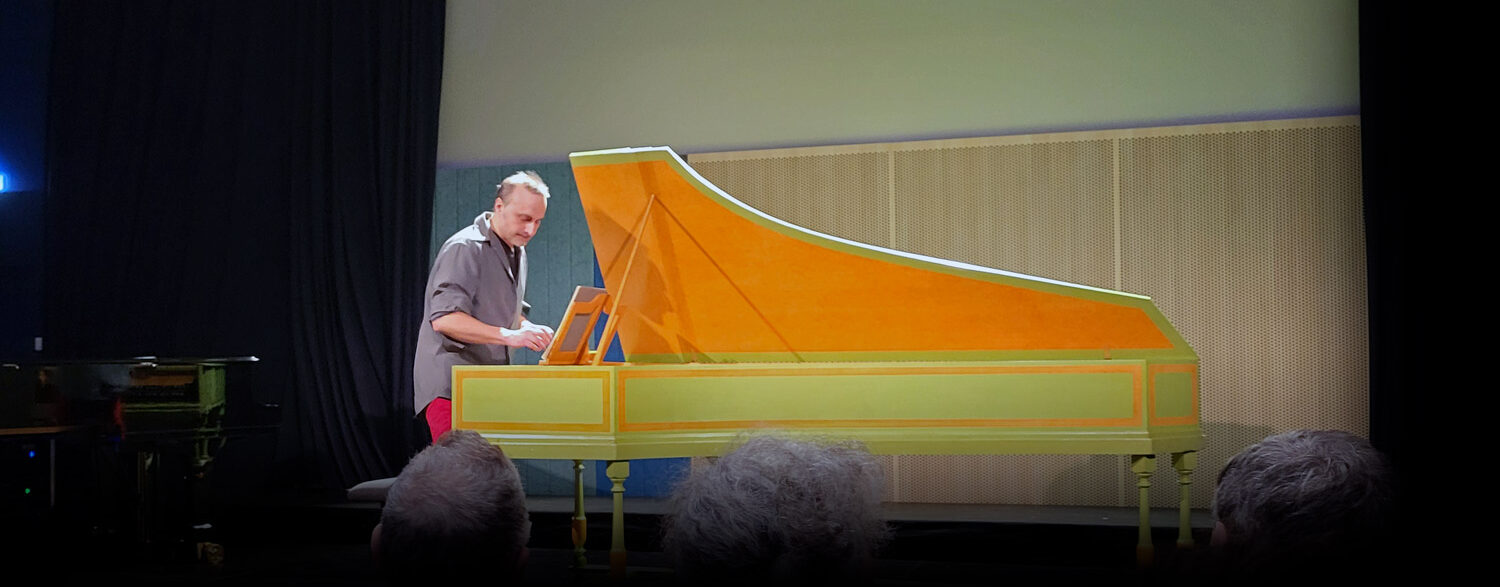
457, 511
778, 510
1304, 504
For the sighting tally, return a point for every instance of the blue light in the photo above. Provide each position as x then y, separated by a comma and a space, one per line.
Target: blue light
30, 454
2, 182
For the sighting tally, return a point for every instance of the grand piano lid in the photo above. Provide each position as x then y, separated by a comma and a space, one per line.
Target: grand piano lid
702, 277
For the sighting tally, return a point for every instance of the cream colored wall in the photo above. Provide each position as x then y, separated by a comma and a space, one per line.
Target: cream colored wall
532, 81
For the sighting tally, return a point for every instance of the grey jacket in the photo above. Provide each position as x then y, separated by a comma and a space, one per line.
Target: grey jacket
472, 275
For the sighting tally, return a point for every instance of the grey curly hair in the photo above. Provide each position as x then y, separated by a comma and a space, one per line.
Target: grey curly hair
778, 509
1306, 490
457, 508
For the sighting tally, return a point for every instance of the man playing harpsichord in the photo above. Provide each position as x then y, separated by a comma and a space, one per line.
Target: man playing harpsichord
473, 311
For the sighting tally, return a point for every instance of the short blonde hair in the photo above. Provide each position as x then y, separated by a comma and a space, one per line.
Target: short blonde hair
527, 179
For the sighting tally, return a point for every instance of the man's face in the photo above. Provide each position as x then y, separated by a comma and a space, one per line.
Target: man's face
515, 222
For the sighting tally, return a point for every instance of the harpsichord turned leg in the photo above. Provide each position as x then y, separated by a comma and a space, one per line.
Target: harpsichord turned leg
1184, 462
617, 471
1143, 466
580, 521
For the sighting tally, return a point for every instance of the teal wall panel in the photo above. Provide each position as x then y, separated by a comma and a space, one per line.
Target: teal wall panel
444, 209
555, 477
560, 256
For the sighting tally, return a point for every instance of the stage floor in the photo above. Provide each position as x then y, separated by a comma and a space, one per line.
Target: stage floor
327, 544
927, 512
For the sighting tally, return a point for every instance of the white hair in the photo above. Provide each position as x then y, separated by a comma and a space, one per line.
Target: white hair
530, 180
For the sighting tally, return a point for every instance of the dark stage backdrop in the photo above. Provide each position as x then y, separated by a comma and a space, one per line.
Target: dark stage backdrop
251, 178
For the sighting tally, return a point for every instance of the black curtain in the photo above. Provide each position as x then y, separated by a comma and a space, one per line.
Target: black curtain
1394, 171
251, 178
1414, 213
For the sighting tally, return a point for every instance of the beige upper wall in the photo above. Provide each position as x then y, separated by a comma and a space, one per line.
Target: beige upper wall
533, 81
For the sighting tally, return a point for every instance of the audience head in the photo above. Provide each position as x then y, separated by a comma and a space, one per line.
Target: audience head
1306, 497
778, 509
456, 511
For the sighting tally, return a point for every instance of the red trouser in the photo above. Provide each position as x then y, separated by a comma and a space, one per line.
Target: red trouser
439, 417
